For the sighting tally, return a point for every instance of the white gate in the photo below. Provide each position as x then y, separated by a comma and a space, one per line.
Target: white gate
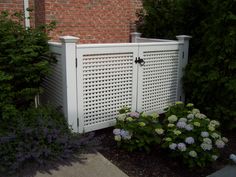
106, 77
99, 79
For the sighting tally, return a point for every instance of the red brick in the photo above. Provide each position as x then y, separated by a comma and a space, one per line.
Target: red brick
94, 21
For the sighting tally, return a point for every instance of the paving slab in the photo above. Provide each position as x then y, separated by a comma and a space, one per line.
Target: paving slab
228, 171
94, 165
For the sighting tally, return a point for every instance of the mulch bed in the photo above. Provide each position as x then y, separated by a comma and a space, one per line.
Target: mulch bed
157, 163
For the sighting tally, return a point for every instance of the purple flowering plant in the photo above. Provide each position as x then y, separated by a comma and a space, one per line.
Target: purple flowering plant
36, 135
136, 130
191, 135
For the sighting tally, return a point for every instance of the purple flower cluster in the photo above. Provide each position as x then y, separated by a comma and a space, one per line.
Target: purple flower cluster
134, 114
181, 124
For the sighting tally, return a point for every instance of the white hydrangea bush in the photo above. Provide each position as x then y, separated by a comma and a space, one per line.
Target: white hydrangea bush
191, 135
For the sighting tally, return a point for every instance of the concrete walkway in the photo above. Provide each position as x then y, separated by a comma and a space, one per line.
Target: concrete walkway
228, 171
94, 165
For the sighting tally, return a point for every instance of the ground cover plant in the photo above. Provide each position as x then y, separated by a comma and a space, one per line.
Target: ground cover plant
35, 135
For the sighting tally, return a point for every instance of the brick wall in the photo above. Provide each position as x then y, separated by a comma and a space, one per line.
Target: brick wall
93, 21
11, 5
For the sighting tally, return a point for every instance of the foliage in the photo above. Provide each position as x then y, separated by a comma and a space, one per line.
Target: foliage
209, 79
167, 18
24, 61
137, 130
192, 136
37, 135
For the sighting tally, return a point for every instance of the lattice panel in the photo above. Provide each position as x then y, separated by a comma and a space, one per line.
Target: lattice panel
53, 84
107, 86
159, 79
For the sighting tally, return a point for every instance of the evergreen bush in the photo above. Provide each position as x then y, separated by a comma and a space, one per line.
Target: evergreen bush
210, 76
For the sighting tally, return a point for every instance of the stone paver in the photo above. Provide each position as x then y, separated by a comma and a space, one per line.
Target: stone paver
228, 171
95, 165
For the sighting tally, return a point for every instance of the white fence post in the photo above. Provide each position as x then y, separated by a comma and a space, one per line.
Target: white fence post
134, 37
69, 80
182, 63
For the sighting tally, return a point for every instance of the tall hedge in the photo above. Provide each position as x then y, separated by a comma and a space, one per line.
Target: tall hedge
210, 77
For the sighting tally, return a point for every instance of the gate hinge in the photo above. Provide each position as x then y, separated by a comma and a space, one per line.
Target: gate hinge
76, 62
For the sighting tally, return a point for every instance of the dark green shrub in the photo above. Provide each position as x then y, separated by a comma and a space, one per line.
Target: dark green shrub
36, 135
137, 130
210, 77
24, 61
168, 18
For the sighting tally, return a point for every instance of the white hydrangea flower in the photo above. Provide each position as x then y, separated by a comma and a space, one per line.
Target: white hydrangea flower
116, 131
192, 154
181, 147
204, 134
159, 131
207, 140
220, 144
172, 118
170, 125
121, 117
211, 127
155, 115
168, 139
195, 111
189, 140
144, 114
206, 146
129, 119
183, 120
181, 124
189, 127
190, 116
214, 157
173, 146
200, 116
215, 123
225, 139
197, 124
117, 138
215, 135
177, 132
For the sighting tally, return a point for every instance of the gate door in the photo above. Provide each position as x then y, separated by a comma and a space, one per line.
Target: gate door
106, 80
158, 77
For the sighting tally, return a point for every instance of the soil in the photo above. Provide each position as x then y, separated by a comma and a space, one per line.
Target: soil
157, 163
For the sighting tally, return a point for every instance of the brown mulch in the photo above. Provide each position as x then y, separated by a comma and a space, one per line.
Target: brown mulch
157, 163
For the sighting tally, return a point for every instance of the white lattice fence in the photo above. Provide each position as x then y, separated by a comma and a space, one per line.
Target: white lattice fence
98, 79
106, 83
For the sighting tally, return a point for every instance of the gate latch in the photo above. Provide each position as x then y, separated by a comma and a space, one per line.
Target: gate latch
140, 61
